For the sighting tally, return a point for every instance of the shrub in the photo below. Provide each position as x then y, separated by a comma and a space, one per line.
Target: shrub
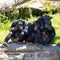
3, 18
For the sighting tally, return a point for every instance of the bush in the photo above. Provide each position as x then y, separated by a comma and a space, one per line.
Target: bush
4, 22
3, 18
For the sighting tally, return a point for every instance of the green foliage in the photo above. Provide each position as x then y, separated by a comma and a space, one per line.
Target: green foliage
32, 18
4, 22
48, 6
56, 23
3, 18
24, 13
11, 14
3, 34
5, 26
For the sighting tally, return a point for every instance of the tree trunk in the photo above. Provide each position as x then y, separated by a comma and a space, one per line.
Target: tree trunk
9, 4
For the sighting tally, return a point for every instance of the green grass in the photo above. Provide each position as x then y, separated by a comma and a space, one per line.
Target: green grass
3, 34
4, 30
55, 22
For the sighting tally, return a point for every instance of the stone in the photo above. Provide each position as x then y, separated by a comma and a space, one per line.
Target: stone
29, 51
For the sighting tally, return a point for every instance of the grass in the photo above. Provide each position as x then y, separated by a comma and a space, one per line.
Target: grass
55, 22
3, 34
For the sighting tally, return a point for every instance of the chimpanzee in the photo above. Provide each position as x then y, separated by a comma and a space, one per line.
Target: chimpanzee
34, 34
30, 35
37, 32
50, 36
16, 32
48, 32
